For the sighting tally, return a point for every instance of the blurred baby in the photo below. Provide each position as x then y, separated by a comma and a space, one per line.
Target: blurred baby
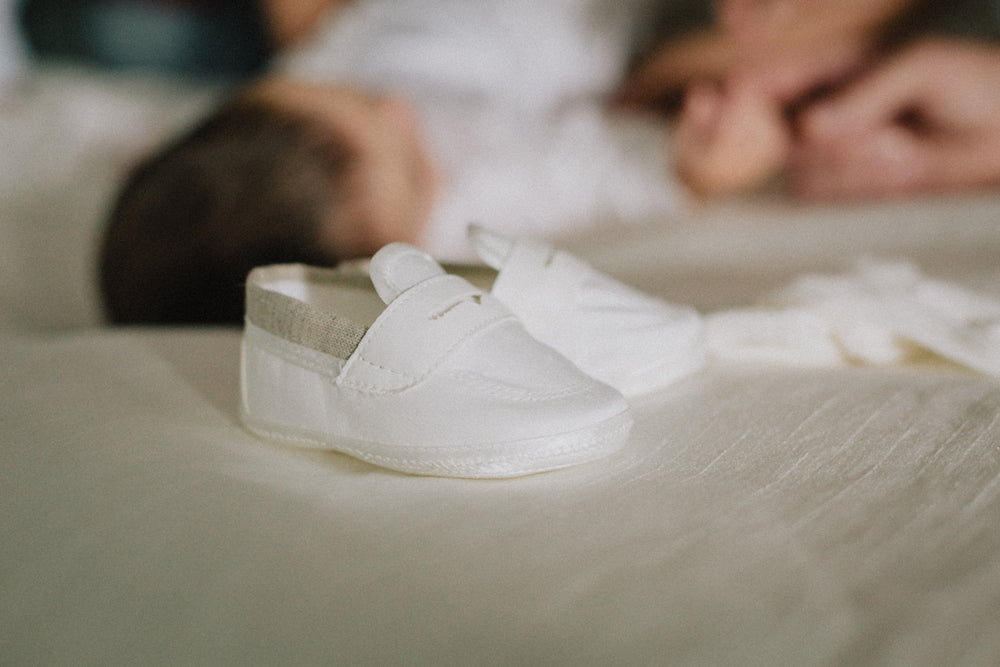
400, 120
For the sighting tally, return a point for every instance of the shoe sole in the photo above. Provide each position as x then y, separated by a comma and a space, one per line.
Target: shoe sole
484, 461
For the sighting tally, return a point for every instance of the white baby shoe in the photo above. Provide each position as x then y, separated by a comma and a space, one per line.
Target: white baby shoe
425, 374
622, 337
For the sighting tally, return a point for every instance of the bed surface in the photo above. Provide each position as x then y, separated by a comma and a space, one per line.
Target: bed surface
759, 515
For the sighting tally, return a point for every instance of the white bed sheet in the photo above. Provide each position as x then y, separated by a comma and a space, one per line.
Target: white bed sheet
759, 515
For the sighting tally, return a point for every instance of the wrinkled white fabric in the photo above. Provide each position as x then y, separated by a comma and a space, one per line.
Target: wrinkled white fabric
756, 517
880, 312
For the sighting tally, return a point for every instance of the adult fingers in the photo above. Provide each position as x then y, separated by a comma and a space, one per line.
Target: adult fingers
698, 57
790, 79
888, 162
874, 100
894, 161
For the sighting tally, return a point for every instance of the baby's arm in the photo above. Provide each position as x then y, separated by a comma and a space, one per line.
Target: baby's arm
290, 21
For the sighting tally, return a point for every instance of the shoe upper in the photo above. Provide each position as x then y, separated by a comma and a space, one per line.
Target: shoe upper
617, 334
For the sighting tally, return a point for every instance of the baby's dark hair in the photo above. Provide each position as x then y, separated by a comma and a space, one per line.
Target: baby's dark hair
250, 185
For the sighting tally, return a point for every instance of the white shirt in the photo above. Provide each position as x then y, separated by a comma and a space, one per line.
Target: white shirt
511, 96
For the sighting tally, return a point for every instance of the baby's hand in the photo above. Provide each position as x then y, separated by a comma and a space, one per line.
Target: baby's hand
730, 138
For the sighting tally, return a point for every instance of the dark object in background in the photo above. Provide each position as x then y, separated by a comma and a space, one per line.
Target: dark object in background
207, 38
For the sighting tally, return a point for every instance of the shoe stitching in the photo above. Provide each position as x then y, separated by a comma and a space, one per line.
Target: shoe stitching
286, 350
374, 332
362, 386
407, 296
352, 384
455, 303
444, 465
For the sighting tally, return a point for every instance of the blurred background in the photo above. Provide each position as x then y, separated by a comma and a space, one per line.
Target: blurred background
214, 39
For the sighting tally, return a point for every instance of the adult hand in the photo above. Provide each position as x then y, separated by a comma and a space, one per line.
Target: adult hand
734, 136
927, 118
740, 77
790, 46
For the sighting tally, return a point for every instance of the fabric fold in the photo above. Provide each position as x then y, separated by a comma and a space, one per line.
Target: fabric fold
879, 312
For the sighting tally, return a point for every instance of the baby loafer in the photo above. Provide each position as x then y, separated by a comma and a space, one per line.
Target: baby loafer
615, 333
424, 374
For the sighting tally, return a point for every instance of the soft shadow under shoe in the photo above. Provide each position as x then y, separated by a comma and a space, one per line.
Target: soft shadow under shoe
424, 374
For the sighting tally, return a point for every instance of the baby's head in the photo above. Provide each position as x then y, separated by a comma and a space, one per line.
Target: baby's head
283, 172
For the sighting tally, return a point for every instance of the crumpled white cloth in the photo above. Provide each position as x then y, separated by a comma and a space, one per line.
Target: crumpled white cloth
880, 312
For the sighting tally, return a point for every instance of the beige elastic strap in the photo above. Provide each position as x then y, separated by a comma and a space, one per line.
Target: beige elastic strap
297, 321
